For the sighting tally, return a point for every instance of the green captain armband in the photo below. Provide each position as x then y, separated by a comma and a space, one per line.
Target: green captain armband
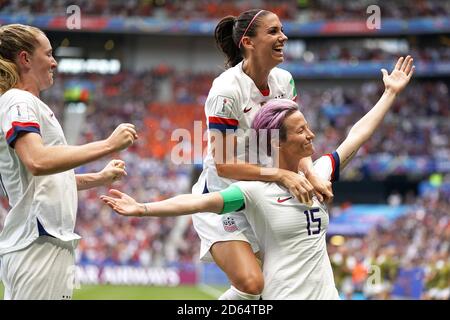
233, 199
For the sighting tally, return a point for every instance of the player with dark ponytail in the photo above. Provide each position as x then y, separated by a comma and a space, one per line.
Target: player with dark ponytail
253, 45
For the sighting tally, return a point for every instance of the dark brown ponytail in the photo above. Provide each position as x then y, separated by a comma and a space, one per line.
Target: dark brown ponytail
230, 30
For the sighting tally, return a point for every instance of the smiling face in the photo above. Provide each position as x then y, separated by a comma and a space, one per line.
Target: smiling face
299, 137
42, 63
269, 41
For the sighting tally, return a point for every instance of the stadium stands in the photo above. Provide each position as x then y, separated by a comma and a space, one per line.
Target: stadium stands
191, 9
112, 240
413, 141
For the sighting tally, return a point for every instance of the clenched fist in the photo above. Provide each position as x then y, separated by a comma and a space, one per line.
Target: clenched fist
114, 171
123, 137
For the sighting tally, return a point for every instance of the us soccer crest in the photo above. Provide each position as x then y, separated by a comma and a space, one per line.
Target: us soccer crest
229, 225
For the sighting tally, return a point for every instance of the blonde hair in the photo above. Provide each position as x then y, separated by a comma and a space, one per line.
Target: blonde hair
14, 38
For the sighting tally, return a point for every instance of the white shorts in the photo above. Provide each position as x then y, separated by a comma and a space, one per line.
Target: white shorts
212, 228
42, 271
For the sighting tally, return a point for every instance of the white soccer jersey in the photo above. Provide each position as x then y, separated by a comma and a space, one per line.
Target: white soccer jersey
292, 238
49, 199
232, 104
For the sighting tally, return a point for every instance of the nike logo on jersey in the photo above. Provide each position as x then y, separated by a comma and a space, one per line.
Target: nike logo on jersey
283, 200
247, 109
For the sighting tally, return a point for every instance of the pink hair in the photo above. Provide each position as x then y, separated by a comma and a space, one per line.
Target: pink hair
271, 117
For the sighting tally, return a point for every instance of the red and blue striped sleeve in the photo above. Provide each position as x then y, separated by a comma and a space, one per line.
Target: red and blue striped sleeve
335, 164
18, 127
222, 124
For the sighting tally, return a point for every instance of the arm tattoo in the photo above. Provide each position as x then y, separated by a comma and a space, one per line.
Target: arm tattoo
347, 160
82, 181
145, 209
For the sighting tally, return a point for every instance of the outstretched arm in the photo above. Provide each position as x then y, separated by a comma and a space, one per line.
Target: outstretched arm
42, 159
177, 206
365, 127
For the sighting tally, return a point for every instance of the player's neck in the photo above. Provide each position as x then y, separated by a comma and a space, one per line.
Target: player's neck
286, 162
28, 86
257, 73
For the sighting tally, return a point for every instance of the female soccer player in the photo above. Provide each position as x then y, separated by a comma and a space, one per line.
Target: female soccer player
292, 235
253, 44
36, 171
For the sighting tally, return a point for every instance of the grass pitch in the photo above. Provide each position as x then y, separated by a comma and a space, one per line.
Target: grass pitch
111, 292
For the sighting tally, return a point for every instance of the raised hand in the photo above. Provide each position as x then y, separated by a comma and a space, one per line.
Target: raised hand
123, 204
122, 137
400, 75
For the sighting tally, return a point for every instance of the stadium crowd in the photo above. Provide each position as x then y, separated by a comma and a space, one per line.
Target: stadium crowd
417, 241
415, 127
366, 51
301, 10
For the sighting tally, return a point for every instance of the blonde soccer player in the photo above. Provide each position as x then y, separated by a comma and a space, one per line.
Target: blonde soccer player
36, 171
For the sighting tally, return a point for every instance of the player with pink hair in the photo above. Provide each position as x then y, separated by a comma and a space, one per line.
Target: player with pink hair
291, 234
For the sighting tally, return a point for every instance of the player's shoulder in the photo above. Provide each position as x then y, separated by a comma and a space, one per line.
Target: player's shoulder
18, 93
253, 187
321, 163
14, 95
228, 82
328, 166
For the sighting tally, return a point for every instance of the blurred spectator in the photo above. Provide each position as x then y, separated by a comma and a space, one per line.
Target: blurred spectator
420, 239
303, 11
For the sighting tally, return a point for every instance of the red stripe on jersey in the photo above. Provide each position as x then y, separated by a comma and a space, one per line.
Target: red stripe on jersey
22, 125
231, 122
